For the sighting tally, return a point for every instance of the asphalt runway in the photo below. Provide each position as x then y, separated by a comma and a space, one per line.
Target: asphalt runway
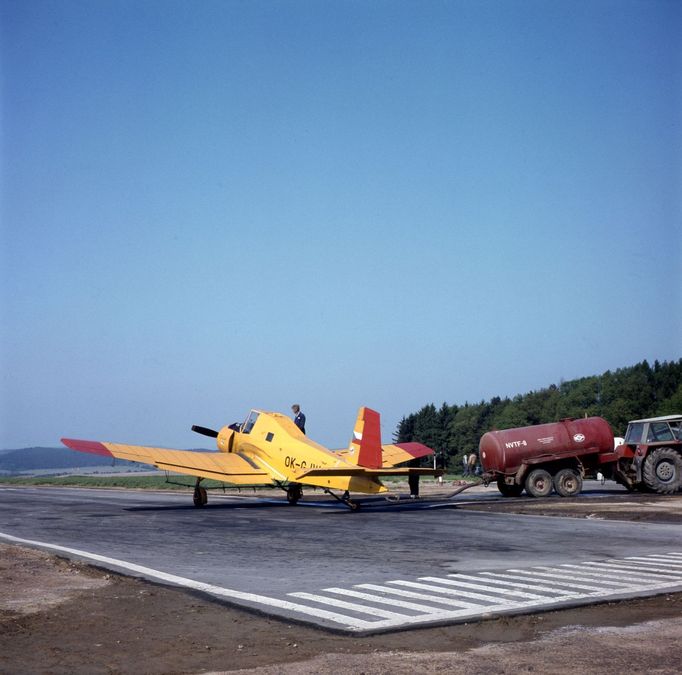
382, 568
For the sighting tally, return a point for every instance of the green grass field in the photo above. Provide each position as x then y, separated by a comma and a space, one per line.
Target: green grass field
146, 482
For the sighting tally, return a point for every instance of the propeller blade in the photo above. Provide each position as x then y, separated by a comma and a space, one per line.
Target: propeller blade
204, 431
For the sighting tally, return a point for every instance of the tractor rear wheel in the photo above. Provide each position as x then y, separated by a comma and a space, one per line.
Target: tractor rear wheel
662, 471
568, 483
539, 483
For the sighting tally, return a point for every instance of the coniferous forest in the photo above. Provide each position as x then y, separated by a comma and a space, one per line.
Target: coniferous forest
617, 396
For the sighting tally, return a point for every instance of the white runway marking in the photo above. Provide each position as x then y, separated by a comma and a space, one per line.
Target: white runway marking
451, 598
509, 591
175, 580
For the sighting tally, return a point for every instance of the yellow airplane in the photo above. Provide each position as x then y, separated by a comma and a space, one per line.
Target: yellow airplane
268, 449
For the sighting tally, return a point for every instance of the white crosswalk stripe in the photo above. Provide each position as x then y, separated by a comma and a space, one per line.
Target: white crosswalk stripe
580, 575
644, 561
420, 596
502, 591
633, 571
546, 584
397, 603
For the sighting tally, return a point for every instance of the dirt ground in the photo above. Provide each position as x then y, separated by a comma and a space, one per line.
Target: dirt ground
58, 616
636, 506
62, 617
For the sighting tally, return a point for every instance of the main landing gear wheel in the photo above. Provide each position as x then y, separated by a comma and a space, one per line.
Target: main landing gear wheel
294, 493
200, 496
539, 483
568, 483
509, 490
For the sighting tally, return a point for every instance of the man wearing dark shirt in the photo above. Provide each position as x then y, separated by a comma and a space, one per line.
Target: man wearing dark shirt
299, 417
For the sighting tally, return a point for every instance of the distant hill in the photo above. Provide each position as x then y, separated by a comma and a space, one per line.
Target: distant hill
39, 459
35, 459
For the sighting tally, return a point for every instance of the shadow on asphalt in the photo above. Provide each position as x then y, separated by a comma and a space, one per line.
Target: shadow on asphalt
374, 505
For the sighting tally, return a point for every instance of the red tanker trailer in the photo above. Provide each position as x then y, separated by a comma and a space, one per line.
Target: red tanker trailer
547, 456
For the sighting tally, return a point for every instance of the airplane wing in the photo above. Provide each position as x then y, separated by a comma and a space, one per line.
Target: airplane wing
223, 466
398, 453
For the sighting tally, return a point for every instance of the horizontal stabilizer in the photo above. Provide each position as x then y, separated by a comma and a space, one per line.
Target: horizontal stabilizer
395, 453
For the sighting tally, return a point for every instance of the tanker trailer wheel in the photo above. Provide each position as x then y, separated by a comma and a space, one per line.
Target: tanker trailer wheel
663, 470
509, 490
568, 483
539, 483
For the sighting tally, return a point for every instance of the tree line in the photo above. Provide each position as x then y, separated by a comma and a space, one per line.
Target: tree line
617, 396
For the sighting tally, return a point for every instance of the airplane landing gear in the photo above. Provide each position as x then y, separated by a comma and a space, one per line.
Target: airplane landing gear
294, 493
200, 495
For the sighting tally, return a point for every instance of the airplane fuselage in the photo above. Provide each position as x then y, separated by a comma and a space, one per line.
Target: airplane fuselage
274, 443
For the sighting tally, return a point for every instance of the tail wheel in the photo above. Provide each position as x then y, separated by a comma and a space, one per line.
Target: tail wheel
662, 470
294, 493
568, 483
539, 483
509, 490
200, 496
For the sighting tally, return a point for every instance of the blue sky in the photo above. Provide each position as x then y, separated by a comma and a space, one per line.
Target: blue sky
213, 206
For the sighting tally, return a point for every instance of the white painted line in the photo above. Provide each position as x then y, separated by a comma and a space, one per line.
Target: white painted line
352, 606
501, 591
665, 557
611, 571
545, 585
558, 573
421, 596
231, 594
394, 602
674, 566
653, 572
465, 594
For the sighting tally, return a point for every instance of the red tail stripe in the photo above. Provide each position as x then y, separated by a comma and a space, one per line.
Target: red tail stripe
370, 445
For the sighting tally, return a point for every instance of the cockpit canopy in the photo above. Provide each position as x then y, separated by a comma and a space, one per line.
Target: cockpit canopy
250, 422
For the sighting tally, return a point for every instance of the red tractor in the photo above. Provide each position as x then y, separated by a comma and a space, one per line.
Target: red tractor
651, 456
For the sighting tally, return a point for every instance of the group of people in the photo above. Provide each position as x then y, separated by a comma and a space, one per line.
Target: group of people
470, 464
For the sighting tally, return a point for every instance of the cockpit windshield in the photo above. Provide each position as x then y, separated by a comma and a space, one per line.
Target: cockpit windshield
250, 421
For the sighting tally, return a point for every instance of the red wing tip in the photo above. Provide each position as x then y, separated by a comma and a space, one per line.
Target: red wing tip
93, 447
416, 449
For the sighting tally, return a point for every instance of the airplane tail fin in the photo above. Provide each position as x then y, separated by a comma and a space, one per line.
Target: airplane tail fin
365, 446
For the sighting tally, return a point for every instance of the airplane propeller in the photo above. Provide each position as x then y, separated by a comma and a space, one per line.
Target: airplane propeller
204, 431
